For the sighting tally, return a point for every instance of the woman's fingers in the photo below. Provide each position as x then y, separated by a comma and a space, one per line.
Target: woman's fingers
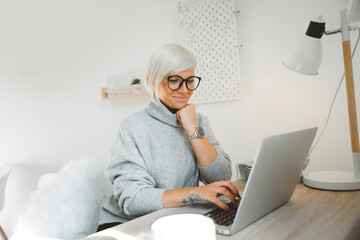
179, 118
228, 194
225, 188
221, 204
231, 187
234, 190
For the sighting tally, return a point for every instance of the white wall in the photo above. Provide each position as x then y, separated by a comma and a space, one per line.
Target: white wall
55, 56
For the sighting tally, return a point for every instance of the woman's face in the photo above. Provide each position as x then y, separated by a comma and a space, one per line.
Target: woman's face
175, 99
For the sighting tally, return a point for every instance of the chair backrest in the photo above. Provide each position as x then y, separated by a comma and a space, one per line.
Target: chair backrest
4, 173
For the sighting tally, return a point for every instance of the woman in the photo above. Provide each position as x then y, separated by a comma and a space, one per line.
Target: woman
162, 152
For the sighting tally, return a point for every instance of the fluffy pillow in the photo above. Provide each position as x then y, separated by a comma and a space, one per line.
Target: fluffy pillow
66, 204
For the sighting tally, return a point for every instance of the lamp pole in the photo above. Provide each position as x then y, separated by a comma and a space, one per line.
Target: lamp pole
350, 91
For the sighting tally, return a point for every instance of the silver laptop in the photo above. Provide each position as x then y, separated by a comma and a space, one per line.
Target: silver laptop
274, 175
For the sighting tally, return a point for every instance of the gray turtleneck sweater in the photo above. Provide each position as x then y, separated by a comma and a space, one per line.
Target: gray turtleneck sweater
152, 154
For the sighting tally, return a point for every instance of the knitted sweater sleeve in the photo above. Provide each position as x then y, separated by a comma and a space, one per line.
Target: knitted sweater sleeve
220, 169
133, 186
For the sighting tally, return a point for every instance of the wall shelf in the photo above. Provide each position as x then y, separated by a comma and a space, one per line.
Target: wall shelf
126, 92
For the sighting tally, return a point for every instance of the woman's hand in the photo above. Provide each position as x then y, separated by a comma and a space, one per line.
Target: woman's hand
210, 192
187, 118
204, 150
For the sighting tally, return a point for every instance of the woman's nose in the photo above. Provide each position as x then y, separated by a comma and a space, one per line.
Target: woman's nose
183, 87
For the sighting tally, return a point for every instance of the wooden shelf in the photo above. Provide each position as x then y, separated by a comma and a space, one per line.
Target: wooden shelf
105, 92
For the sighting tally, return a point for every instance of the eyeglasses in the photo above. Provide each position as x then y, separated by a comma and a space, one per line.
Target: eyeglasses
175, 82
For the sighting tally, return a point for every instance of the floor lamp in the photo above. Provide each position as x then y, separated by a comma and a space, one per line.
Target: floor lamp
307, 60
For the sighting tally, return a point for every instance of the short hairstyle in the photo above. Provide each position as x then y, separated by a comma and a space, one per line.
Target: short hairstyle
167, 60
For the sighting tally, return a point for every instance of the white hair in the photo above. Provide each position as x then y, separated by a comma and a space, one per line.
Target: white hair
167, 60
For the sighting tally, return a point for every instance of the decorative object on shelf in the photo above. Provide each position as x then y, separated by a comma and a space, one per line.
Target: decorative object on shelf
135, 81
118, 87
208, 29
307, 60
119, 80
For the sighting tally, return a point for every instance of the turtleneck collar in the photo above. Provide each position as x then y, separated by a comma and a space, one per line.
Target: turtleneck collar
159, 111
172, 110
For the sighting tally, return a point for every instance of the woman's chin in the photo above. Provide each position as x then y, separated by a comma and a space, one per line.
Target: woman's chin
179, 105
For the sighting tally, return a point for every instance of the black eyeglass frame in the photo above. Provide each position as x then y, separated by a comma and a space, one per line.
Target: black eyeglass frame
182, 82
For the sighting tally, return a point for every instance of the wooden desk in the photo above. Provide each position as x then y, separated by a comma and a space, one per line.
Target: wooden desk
310, 214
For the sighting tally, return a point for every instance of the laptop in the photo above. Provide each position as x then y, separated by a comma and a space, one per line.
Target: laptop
272, 181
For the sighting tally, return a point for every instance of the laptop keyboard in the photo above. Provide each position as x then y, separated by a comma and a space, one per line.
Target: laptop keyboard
223, 217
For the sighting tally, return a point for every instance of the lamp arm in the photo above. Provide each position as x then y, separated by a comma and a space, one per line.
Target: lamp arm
333, 31
338, 30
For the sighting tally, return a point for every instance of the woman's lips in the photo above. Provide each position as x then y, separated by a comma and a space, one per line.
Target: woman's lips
180, 98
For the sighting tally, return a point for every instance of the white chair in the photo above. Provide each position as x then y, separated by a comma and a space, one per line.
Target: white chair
4, 173
66, 204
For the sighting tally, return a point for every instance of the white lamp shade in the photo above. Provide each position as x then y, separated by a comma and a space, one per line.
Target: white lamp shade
306, 58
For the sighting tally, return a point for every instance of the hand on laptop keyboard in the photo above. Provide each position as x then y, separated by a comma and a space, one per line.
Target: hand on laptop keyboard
210, 193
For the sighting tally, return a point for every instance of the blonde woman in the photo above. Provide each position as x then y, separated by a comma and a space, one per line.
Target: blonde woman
162, 152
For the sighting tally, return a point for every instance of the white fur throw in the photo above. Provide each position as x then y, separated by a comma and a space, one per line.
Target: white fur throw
66, 204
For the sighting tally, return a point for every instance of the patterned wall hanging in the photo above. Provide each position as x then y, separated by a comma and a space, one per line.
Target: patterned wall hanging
208, 29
